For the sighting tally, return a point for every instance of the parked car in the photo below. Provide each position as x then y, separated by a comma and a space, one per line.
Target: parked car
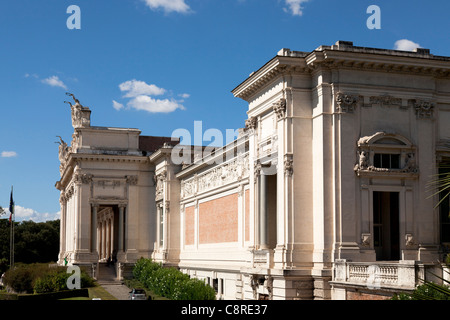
138, 294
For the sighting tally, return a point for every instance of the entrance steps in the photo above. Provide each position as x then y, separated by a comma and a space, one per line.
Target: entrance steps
107, 274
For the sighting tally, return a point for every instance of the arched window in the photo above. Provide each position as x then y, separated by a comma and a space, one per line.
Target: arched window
386, 153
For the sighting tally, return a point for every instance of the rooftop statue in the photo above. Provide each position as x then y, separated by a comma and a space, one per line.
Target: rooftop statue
81, 116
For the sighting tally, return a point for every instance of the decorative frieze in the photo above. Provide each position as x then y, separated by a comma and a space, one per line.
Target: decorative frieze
223, 174
347, 103
384, 101
108, 183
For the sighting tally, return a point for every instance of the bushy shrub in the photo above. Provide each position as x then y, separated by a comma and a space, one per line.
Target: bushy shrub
170, 282
427, 291
52, 282
56, 281
21, 278
39, 278
194, 289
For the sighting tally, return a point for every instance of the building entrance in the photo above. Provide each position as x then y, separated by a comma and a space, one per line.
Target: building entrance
386, 225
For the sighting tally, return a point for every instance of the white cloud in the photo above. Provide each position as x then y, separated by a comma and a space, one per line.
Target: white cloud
295, 7
117, 105
134, 88
54, 81
25, 214
33, 75
140, 94
151, 105
8, 154
168, 5
406, 45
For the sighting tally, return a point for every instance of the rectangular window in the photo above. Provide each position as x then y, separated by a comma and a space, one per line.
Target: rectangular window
386, 160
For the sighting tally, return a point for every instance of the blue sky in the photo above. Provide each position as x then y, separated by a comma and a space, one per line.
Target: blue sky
160, 65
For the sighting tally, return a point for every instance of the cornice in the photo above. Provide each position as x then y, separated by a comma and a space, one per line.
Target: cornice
410, 63
277, 66
352, 58
73, 158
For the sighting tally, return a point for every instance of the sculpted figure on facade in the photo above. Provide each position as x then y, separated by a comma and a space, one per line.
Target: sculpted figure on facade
288, 165
81, 116
159, 180
64, 149
347, 103
424, 109
410, 164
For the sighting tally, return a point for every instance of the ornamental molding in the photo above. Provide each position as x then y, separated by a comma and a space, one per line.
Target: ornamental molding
347, 103
224, 174
105, 215
83, 178
365, 239
251, 124
288, 165
257, 170
409, 240
108, 183
424, 109
379, 143
279, 108
159, 179
385, 101
132, 180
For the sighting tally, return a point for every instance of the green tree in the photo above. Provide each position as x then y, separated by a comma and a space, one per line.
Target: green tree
33, 242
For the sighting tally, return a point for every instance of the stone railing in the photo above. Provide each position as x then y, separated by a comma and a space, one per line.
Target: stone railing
403, 275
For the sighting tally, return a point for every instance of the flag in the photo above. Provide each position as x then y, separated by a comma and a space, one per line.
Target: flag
11, 206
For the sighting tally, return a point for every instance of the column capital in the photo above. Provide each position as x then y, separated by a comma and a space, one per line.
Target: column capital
95, 204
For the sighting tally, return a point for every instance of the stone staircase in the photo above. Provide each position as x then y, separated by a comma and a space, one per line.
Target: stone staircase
107, 274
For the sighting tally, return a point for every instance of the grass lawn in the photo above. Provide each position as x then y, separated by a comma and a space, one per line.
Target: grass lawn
97, 292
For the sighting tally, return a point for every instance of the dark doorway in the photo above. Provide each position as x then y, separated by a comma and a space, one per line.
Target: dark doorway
386, 233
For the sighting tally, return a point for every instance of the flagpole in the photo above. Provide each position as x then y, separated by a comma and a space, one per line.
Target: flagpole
12, 219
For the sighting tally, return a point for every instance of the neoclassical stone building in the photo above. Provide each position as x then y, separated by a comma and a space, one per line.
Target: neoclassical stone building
323, 195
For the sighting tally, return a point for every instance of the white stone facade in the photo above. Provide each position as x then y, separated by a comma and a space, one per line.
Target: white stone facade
324, 195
